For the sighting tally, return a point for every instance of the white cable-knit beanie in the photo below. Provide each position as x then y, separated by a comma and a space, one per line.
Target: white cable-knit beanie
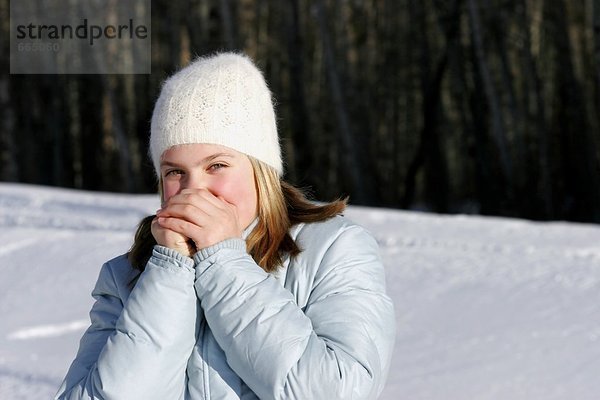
221, 99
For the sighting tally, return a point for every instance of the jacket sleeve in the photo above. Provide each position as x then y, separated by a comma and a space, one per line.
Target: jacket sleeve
336, 347
138, 350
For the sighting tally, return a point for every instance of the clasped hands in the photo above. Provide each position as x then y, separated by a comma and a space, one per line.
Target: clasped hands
195, 219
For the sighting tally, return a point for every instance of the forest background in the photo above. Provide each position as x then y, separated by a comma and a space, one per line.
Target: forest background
460, 106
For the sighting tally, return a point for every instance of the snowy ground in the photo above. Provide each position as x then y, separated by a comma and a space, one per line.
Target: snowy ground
487, 308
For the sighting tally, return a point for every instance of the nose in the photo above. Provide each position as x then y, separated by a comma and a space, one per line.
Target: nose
194, 180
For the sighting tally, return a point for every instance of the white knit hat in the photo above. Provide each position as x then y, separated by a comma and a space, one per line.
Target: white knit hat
221, 99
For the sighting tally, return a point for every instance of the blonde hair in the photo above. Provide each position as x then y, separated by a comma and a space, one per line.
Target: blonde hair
280, 206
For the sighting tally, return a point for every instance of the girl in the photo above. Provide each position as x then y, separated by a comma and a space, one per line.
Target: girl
239, 287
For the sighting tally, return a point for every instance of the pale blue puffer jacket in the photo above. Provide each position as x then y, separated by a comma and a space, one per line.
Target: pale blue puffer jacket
219, 327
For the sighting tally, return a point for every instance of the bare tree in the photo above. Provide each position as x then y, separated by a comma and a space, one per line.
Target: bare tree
429, 151
228, 24
352, 163
8, 150
300, 120
491, 95
534, 96
596, 22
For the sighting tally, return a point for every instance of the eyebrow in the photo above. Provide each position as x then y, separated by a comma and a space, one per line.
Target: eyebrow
203, 161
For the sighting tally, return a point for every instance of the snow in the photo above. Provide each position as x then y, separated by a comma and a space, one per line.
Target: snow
487, 308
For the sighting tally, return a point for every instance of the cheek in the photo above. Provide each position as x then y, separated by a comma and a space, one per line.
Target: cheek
241, 192
169, 190
248, 210
234, 190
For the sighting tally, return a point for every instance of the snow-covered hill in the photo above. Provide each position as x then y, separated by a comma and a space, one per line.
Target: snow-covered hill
487, 308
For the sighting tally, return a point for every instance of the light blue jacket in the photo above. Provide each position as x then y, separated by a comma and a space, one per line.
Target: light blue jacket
219, 327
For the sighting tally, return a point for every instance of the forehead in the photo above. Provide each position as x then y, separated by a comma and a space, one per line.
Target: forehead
197, 152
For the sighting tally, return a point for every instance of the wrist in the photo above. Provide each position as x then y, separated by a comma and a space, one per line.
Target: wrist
167, 254
231, 243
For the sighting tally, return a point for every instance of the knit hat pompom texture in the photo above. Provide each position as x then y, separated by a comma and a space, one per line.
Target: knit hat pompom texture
221, 99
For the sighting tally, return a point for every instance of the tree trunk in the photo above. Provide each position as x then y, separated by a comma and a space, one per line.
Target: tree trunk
75, 126
534, 89
514, 120
429, 151
596, 19
228, 24
498, 133
580, 169
361, 192
56, 126
115, 129
8, 151
301, 133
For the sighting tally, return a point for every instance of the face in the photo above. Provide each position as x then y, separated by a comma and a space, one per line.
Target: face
219, 169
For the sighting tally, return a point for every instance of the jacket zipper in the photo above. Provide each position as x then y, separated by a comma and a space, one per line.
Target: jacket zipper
204, 344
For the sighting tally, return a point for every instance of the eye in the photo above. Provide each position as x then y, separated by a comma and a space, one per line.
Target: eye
216, 166
173, 172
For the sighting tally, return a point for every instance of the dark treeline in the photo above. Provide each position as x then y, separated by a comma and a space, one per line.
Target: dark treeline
481, 106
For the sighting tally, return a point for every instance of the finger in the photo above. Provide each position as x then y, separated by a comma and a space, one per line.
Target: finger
167, 237
225, 202
180, 226
194, 196
204, 201
186, 211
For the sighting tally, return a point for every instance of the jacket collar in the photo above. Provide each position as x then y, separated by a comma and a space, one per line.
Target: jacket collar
249, 228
